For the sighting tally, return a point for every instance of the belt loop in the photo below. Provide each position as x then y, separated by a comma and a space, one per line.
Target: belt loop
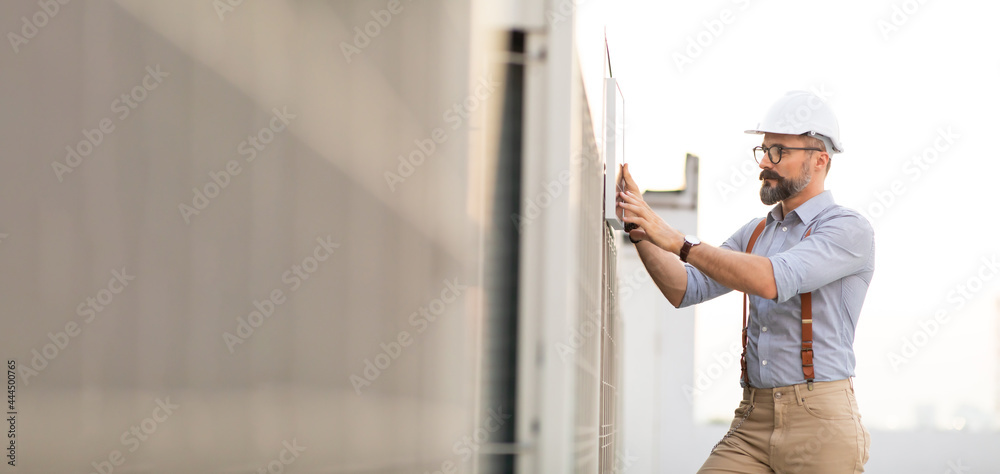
851, 381
753, 395
798, 394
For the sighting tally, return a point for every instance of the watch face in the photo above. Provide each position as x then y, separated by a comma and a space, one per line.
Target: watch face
692, 239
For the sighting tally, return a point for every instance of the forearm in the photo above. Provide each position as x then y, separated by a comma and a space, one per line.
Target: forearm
740, 271
666, 270
661, 243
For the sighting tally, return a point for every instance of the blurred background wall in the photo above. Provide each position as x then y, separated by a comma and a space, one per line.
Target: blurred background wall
229, 151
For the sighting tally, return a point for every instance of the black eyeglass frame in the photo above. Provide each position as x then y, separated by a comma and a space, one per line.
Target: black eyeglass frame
781, 149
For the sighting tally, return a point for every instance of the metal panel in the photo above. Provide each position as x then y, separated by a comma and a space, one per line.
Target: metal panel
569, 398
614, 151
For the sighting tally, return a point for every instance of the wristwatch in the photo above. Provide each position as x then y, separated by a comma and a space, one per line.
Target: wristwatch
689, 241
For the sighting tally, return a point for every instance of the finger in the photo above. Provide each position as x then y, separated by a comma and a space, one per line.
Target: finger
636, 219
629, 182
631, 198
633, 208
640, 201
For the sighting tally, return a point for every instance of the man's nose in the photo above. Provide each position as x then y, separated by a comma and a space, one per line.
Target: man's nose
765, 163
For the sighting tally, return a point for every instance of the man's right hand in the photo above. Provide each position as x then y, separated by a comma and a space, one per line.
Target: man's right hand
628, 185
666, 270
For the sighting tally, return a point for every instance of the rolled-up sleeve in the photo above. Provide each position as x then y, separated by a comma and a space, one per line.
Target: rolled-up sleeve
836, 248
700, 287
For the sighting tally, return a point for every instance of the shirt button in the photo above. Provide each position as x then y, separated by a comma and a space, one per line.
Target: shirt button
763, 362
784, 229
764, 329
777, 395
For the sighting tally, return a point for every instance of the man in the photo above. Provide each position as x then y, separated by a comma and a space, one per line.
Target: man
806, 267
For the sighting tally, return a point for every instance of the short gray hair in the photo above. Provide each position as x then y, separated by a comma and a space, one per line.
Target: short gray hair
821, 142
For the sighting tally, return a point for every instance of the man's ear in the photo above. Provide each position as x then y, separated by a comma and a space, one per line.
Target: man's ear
824, 158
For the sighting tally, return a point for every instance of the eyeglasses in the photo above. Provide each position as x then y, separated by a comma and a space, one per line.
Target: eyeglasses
775, 155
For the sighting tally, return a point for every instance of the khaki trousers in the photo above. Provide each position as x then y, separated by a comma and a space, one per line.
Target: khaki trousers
792, 429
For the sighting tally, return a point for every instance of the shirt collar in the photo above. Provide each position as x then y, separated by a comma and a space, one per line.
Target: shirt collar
806, 211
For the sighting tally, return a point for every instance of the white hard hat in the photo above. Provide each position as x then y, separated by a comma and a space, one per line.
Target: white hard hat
800, 113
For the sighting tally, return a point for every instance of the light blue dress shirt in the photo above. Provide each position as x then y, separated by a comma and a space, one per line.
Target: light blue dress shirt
835, 263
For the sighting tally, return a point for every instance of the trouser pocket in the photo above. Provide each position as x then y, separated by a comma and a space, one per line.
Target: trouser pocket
823, 435
829, 406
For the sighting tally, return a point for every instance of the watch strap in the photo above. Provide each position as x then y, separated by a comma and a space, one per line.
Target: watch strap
684, 250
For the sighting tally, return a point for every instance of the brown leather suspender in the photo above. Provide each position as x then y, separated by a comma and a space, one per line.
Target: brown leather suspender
743, 357
807, 342
807, 334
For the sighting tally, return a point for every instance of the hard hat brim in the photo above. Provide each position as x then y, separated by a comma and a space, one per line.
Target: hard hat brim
837, 148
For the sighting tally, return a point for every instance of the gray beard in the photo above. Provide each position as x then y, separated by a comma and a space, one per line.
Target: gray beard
785, 188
